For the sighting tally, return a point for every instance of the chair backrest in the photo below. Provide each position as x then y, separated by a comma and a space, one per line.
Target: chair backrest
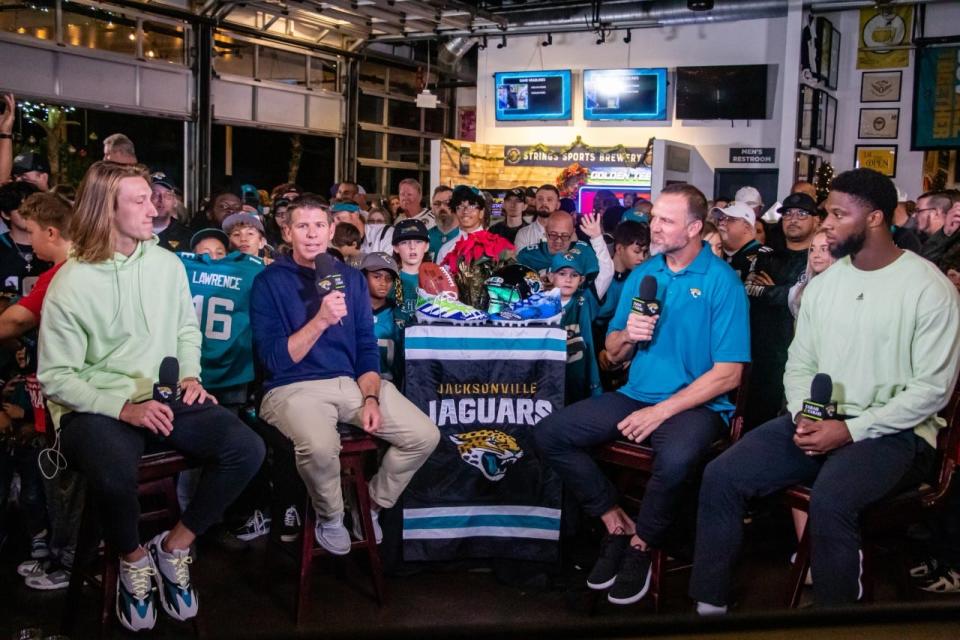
738, 397
948, 442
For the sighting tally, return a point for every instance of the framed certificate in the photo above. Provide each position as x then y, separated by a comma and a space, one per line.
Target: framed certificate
879, 123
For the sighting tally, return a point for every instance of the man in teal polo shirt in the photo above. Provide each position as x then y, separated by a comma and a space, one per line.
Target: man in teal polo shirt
684, 361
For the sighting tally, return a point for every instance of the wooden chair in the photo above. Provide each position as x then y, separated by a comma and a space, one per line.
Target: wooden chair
157, 475
637, 460
357, 449
889, 517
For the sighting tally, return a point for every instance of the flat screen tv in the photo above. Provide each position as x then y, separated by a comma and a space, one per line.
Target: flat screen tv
533, 95
722, 93
625, 94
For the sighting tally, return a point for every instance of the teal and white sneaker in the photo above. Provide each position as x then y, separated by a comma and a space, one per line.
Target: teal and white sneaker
177, 595
445, 308
540, 308
137, 594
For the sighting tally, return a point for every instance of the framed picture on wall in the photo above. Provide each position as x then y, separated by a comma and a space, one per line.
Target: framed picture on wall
834, 73
800, 167
879, 157
879, 123
880, 86
830, 124
824, 49
820, 102
805, 120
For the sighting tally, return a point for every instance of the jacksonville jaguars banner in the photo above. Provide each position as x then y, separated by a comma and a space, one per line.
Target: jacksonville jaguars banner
484, 493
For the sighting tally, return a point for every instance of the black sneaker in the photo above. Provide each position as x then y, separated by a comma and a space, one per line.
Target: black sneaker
605, 569
633, 578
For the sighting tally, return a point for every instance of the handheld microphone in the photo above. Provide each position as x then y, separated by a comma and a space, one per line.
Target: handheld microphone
328, 276
167, 388
645, 304
819, 406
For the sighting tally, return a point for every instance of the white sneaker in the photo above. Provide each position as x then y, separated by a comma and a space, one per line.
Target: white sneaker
177, 595
357, 528
332, 535
56, 578
30, 568
136, 594
291, 524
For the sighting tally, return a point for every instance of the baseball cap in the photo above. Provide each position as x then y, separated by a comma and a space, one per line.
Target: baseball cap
567, 259
901, 195
632, 215
242, 217
519, 193
29, 161
799, 201
531, 192
410, 229
748, 195
203, 234
352, 207
379, 261
161, 179
740, 210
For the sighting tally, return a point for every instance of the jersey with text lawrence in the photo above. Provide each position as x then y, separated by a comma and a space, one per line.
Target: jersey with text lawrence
221, 297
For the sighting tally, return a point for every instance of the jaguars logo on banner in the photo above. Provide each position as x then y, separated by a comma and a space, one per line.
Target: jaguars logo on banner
484, 493
489, 450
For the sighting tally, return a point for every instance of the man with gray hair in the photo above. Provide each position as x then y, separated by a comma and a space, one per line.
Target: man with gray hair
935, 221
119, 148
411, 204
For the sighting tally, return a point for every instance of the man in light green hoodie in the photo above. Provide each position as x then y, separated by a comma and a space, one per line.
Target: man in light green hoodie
116, 309
884, 324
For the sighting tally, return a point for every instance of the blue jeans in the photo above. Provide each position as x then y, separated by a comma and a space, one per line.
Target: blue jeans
843, 483
107, 452
564, 440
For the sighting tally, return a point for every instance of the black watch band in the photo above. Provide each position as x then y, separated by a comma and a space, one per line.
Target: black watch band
6, 136
367, 397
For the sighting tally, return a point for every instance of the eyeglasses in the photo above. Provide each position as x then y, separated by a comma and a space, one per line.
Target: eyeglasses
559, 236
466, 206
926, 209
799, 214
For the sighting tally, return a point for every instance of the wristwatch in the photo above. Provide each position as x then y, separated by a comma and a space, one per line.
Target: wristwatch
6, 136
375, 398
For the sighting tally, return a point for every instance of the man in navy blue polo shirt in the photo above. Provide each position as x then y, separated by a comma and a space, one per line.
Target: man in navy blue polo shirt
684, 361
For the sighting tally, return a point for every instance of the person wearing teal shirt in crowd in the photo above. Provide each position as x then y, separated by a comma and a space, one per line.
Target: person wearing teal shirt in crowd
447, 227
381, 272
567, 273
410, 242
631, 242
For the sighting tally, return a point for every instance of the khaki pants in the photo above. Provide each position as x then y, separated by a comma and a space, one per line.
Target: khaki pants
307, 413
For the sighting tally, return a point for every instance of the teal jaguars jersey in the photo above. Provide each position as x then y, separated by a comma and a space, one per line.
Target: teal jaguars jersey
583, 372
388, 328
221, 297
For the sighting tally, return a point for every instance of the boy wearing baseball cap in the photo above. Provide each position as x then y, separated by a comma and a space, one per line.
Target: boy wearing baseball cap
568, 273
246, 234
514, 204
381, 272
410, 242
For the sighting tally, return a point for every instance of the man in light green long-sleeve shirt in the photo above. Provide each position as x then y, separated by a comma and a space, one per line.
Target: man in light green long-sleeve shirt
884, 324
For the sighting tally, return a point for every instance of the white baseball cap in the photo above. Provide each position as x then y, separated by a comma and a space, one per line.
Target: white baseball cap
749, 195
901, 195
740, 210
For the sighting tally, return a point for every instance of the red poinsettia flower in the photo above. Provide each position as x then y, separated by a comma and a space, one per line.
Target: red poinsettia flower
474, 247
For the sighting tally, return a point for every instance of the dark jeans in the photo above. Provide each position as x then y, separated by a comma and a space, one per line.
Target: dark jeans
108, 453
565, 439
22, 460
843, 483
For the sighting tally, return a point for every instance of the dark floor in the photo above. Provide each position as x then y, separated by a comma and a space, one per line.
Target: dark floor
250, 593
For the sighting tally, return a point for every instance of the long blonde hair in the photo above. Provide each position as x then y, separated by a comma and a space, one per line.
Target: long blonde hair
92, 225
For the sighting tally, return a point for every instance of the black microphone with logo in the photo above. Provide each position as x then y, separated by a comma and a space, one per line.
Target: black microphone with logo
819, 406
645, 304
329, 278
167, 388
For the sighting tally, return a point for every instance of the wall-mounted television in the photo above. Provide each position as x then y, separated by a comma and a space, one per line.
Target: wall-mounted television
722, 93
625, 94
533, 95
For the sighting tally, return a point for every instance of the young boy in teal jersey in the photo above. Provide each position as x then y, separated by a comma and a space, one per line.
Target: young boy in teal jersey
411, 243
220, 284
381, 272
567, 271
631, 242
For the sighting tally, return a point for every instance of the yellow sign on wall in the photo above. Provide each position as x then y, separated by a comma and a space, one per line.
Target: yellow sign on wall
882, 158
889, 26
